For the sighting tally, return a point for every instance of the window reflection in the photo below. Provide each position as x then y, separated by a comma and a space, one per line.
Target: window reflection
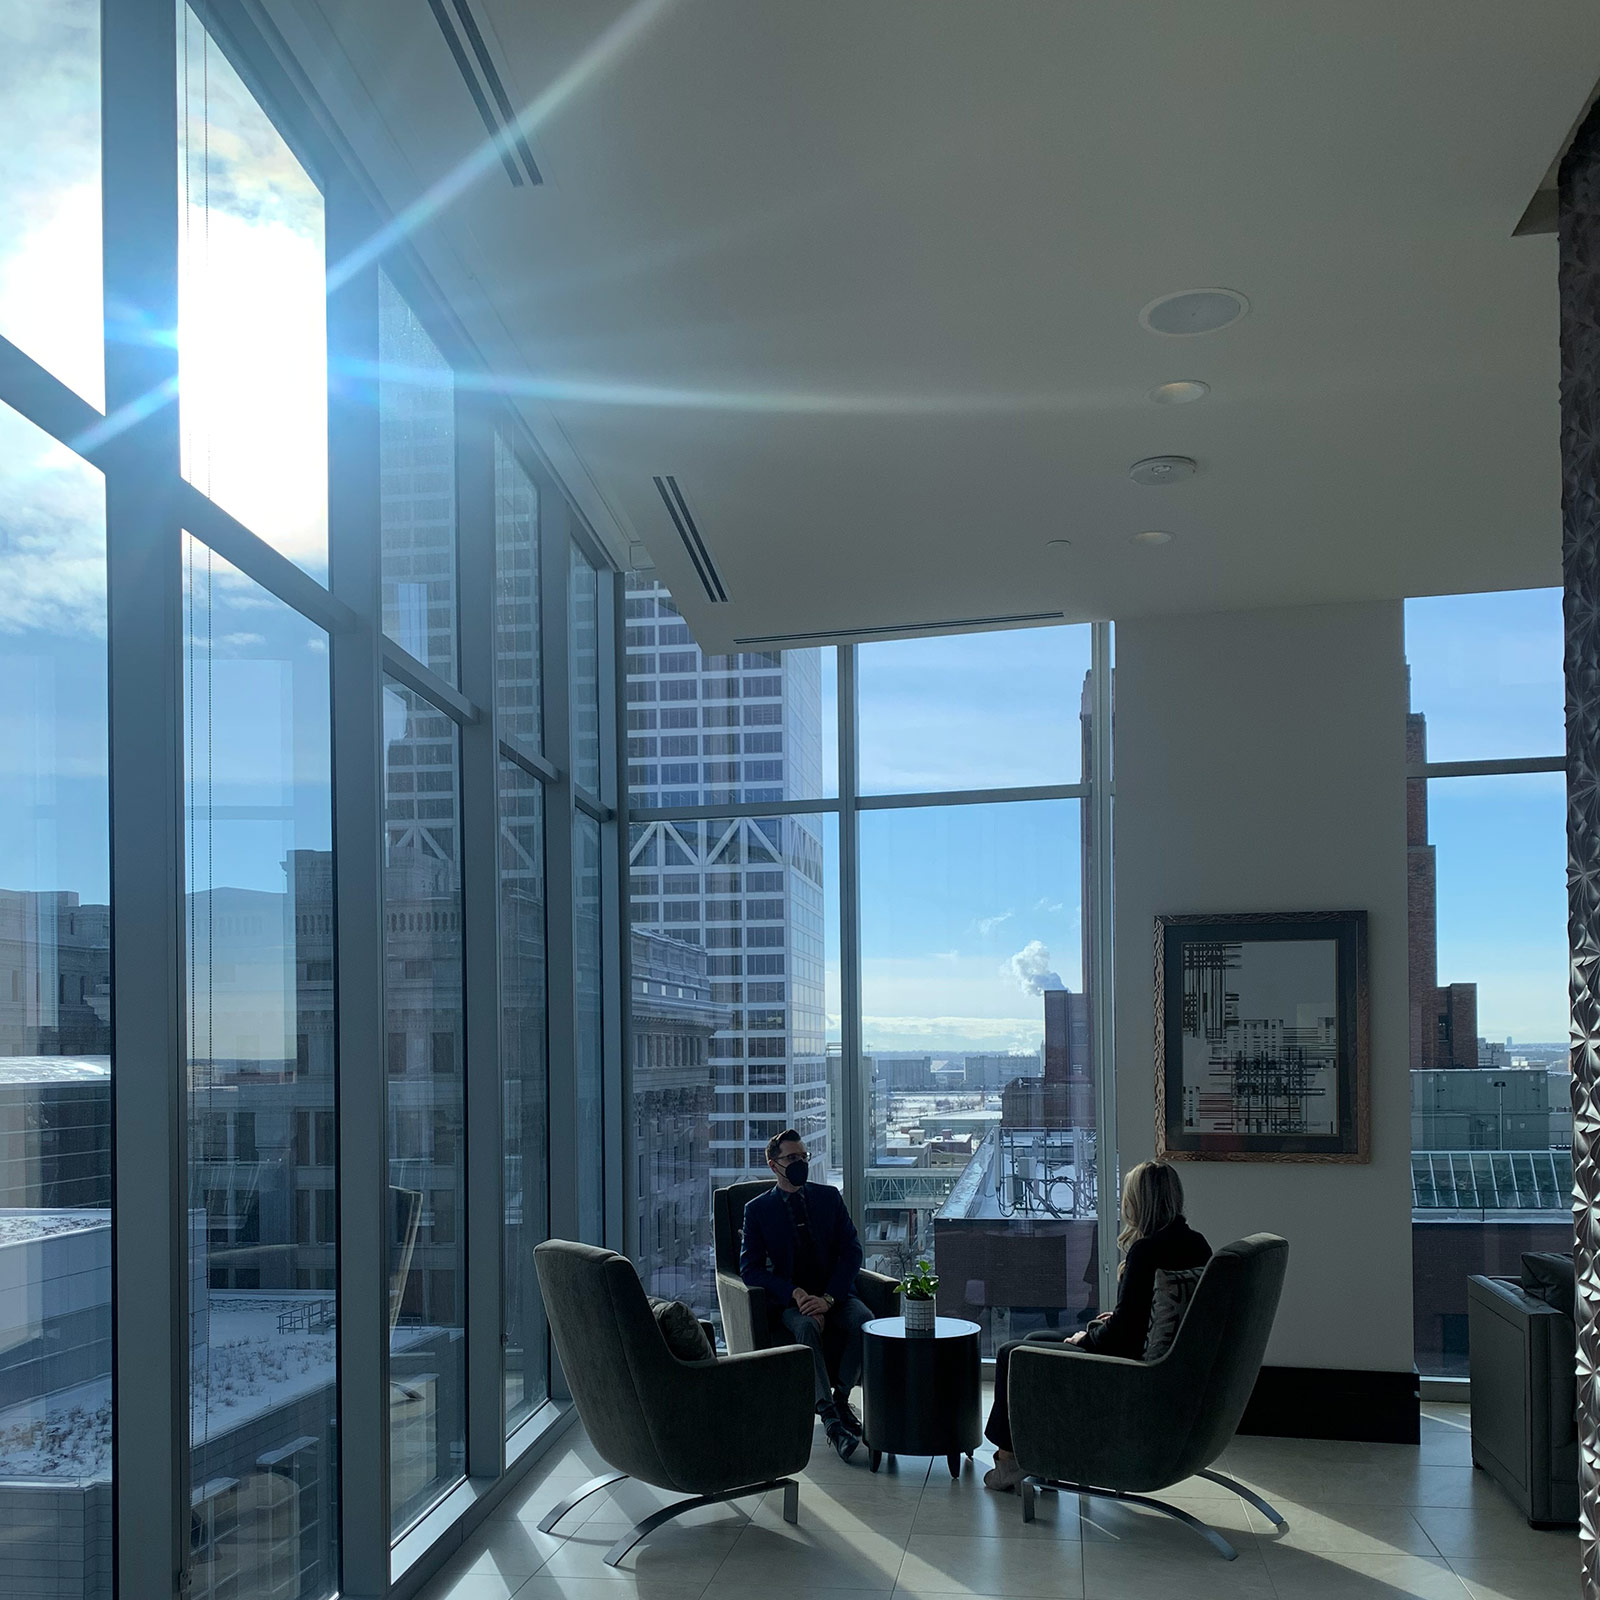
263, 1241
525, 1083
425, 1062
55, 1016
518, 708
589, 1029
583, 624
417, 485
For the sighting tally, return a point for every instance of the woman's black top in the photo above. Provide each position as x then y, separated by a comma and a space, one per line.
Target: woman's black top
1172, 1249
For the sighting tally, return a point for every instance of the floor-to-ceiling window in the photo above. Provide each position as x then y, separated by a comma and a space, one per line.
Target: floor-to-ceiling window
519, 715
982, 1140
263, 1239
920, 1037
258, 856
1491, 1115
269, 751
55, 1013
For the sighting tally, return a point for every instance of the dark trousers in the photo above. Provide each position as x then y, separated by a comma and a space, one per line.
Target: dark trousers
840, 1332
997, 1430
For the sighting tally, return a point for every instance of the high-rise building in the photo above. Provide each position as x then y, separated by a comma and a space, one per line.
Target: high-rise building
1444, 1017
55, 974
706, 730
673, 1020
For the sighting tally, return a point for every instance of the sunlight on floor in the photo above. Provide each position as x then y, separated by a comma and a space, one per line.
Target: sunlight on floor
1366, 1522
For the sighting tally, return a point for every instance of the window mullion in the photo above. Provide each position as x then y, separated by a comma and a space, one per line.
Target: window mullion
1097, 897
554, 564
853, 1082
150, 1277
353, 507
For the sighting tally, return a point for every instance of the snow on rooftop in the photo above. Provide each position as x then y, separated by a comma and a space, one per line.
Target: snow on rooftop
55, 1069
23, 1227
251, 1369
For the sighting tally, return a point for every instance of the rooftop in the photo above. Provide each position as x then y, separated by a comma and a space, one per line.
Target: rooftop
55, 1069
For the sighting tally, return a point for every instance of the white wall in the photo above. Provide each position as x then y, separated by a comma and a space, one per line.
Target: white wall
1260, 762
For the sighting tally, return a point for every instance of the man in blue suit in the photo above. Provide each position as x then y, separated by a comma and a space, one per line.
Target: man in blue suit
801, 1247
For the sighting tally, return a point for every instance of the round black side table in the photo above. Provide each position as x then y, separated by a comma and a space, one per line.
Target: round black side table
919, 1391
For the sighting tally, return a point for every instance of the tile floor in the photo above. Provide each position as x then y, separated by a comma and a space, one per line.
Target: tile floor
1366, 1522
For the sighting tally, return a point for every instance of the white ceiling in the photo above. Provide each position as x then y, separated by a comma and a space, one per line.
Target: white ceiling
865, 275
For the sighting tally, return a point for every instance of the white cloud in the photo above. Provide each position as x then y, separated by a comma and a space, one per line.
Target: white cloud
52, 538
987, 925
1030, 969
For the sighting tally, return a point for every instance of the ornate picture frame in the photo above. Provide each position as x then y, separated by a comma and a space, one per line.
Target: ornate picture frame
1261, 1037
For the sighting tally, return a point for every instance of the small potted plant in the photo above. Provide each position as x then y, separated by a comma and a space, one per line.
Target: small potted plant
917, 1290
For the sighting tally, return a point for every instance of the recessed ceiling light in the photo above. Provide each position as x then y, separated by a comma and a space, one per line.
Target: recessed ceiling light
1153, 536
1194, 311
1155, 472
1182, 392
1058, 546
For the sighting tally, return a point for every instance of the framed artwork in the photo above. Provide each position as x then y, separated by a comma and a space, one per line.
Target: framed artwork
1261, 1037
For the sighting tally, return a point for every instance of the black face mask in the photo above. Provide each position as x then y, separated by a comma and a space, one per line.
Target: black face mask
797, 1172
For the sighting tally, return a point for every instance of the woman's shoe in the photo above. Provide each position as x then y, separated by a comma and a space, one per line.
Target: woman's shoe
1004, 1476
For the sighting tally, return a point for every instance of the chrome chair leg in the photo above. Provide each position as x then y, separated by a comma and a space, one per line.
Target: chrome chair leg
640, 1530
1030, 1486
1273, 1516
548, 1521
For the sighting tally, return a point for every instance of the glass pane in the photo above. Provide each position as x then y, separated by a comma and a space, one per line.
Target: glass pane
972, 710
55, 1016
721, 730
1491, 1109
1486, 671
734, 924
425, 1061
590, 1039
976, 1032
252, 311
525, 1091
417, 465
263, 1167
516, 539
583, 625
50, 288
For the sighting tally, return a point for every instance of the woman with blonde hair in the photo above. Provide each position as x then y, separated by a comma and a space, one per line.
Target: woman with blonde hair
1154, 1238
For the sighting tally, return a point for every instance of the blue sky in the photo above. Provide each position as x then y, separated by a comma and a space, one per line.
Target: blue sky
955, 898
1486, 671
950, 895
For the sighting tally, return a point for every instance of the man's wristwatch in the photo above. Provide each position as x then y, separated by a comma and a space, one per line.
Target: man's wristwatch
829, 1299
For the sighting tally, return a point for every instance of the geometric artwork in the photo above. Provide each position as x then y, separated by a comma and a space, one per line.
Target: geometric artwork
1261, 1037
1579, 244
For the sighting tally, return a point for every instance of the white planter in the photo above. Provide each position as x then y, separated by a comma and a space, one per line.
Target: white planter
919, 1314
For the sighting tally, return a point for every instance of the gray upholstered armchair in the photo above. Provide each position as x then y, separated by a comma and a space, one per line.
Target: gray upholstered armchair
684, 1425
1100, 1425
746, 1320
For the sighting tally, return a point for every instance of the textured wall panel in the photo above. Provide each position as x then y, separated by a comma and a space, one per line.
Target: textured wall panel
1580, 509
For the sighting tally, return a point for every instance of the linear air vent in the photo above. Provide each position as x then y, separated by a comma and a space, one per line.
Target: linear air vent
888, 629
683, 520
499, 118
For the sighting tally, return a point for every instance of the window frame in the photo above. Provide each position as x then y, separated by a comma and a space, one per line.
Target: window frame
149, 505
